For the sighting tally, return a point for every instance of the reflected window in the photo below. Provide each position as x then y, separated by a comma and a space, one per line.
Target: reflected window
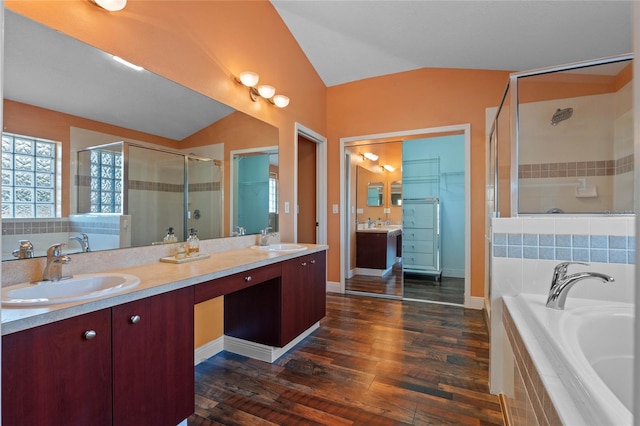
29, 177
106, 182
273, 193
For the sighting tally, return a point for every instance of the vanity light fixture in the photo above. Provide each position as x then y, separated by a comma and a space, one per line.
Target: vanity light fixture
370, 156
127, 63
389, 168
110, 5
250, 79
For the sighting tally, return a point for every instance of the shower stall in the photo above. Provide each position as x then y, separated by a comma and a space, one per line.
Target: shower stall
156, 189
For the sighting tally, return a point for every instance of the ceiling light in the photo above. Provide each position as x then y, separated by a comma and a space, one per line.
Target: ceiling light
389, 168
111, 5
127, 63
280, 101
370, 156
266, 91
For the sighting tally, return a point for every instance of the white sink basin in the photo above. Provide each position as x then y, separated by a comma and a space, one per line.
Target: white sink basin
280, 247
80, 287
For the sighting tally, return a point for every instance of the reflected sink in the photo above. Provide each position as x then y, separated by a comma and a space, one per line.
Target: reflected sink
79, 287
280, 247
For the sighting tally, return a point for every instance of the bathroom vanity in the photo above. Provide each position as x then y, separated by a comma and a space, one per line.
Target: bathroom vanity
128, 359
378, 248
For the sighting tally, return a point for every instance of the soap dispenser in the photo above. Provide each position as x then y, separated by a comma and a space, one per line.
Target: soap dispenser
194, 242
170, 237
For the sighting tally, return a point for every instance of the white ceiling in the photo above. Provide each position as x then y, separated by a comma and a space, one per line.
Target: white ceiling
351, 40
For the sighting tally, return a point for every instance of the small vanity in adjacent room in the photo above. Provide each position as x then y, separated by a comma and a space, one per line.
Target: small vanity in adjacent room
378, 249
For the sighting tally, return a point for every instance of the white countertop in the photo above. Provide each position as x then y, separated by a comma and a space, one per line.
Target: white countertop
155, 278
382, 230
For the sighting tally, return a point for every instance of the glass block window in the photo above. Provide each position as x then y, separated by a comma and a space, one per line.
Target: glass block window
106, 181
28, 177
273, 193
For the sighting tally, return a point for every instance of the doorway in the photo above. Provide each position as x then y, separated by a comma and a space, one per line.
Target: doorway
310, 187
447, 148
307, 205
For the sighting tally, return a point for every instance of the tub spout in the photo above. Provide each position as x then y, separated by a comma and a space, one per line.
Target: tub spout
562, 283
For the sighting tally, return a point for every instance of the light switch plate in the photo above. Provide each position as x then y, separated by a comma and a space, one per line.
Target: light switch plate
286, 207
335, 209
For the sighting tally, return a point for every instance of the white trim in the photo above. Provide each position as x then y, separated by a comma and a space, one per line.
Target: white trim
373, 272
231, 155
487, 309
263, 352
353, 140
321, 182
334, 287
208, 350
474, 302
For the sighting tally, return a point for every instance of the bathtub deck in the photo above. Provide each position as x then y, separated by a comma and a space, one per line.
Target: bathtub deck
372, 361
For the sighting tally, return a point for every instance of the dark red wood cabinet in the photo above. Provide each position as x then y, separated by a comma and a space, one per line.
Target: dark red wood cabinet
137, 369
153, 375
59, 373
303, 294
275, 311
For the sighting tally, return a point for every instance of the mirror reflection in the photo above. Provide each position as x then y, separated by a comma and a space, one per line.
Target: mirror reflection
575, 140
375, 194
61, 91
396, 193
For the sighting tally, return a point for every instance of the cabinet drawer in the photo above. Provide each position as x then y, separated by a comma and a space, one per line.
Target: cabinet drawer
225, 285
422, 213
419, 260
417, 234
418, 247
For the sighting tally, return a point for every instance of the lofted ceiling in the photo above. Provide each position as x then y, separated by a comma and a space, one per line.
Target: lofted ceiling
351, 40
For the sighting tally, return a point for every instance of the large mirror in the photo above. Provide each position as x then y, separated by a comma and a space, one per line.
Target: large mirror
65, 93
574, 148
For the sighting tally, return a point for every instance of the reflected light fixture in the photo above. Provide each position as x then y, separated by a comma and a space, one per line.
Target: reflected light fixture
250, 79
370, 156
389, 168
110, 5
127, 63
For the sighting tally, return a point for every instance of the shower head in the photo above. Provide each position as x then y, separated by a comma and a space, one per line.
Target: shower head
561, 115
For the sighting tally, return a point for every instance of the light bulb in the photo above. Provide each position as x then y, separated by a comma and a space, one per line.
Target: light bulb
280, 101
111, 5
370, 156
389, 167
266, 91
249, 78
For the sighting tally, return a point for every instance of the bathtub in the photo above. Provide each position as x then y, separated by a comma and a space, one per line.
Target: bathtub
589, 347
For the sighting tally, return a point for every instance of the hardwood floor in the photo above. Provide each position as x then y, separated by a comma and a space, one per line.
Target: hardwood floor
419, 287
372, 362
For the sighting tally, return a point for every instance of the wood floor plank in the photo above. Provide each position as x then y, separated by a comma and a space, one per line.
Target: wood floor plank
372, 362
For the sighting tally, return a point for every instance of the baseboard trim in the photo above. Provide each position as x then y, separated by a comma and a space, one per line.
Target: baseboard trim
334, 287
263, 352
473, 302
208, 350
373, 272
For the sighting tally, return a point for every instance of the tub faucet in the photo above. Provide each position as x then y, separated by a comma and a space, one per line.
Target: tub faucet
264, 236
83, 240
561, 283
55, 260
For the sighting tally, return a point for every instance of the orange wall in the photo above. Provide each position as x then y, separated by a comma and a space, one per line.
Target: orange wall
203, 45
412, 100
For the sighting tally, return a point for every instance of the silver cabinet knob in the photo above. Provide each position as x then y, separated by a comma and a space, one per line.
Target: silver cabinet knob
90, 334
135, 319
303, 264
248, 278
313, 261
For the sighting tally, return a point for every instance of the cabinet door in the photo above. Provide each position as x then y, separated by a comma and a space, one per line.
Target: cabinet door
153, 375
318, 276
58, 373
303, 294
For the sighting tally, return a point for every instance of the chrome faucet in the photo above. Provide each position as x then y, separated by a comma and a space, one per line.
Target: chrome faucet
55, 260
83, 240
561, 283
25, 251
264, 236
